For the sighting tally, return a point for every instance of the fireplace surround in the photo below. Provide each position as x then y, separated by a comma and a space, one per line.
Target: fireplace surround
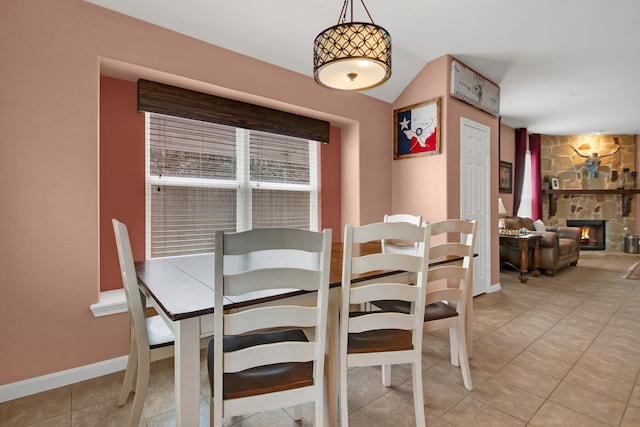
581, 196
593, 232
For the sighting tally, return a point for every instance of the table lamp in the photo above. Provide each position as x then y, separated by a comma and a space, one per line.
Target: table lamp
502, 212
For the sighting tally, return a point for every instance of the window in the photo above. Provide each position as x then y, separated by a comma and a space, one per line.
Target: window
204, 176
526, 198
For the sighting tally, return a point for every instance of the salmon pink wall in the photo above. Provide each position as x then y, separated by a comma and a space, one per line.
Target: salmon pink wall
330, 194
507, 154
122, 180
420, 184
50, 133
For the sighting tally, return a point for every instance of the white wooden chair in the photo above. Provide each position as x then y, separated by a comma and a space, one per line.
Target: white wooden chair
150, 338
400, 246
377, 338
450, 287
260, 358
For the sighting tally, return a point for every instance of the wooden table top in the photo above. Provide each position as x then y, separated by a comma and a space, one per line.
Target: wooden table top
184, 286
527, 236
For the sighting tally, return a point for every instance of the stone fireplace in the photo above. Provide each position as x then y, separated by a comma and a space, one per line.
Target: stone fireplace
584, 199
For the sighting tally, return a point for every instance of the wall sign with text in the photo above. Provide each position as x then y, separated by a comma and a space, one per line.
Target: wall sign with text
474, 89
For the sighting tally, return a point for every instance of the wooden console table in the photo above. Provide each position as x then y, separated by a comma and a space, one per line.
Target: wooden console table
525, 241
626, 195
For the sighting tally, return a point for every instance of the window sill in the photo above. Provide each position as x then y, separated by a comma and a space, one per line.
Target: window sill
111, 302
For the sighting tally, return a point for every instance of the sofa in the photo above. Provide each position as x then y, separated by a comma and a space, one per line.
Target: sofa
559, 246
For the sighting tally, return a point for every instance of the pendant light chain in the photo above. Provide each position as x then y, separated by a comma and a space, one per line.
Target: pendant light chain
342, 18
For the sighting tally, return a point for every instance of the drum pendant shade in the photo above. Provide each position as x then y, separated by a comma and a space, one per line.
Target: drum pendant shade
352, 55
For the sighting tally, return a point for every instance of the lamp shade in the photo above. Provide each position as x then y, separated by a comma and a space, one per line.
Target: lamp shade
352, 56
502, 211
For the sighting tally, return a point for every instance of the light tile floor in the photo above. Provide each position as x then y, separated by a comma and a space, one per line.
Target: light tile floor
557, 351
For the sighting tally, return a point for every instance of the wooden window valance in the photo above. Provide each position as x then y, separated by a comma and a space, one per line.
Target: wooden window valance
170, 100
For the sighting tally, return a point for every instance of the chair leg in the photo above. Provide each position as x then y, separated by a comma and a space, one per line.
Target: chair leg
464, 358
453, 346
141, 389
130, 373
320, 419
418, 400
297, 412
211, 412
344, 408
386, 375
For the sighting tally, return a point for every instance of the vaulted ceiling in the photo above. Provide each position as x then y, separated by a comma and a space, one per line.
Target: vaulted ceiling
564, 67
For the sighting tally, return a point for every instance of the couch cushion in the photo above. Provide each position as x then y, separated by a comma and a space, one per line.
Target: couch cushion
512, 223
516, 223
527, 223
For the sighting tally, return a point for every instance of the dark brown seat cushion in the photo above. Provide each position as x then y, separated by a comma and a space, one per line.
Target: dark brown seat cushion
262, 379
437, 310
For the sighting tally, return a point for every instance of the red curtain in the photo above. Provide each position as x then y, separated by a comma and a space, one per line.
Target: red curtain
536, 179
518, 167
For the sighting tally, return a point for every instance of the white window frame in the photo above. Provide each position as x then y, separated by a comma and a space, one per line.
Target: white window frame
242, 184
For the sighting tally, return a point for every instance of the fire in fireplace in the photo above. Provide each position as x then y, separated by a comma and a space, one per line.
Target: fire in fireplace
592, 232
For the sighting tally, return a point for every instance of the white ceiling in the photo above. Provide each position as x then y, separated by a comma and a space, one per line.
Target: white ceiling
564, 67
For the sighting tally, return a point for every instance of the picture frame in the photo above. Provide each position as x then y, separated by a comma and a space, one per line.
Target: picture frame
417, 130
505, 177
474, 89
555, 183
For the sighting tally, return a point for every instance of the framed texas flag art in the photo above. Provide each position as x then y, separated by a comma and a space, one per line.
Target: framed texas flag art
417, 130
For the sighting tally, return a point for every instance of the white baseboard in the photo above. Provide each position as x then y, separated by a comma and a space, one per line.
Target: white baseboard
494, 288
62, 378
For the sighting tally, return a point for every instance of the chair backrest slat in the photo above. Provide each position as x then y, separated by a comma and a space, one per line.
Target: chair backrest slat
380, 320
391, 290
269, 317
386, 261
269, 354
271, 278
400, 244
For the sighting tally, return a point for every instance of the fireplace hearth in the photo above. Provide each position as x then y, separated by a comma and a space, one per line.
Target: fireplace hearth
593, 233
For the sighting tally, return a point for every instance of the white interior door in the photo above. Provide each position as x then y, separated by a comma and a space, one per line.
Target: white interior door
475, 185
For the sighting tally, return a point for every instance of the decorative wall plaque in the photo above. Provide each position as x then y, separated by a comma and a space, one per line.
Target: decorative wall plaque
474, 89
417, 130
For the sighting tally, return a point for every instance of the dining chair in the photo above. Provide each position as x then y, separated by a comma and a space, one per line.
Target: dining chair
395, 245
150, 337
383, 338
269, 356
449, 290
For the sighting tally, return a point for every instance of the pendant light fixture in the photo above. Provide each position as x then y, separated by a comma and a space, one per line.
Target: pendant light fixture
352, 55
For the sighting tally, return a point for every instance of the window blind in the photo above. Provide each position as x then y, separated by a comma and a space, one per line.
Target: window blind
204, 176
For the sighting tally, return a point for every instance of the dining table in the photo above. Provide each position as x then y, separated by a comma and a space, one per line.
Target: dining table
181, 290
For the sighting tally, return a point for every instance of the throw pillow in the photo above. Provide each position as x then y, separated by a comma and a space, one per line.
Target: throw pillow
539, 225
